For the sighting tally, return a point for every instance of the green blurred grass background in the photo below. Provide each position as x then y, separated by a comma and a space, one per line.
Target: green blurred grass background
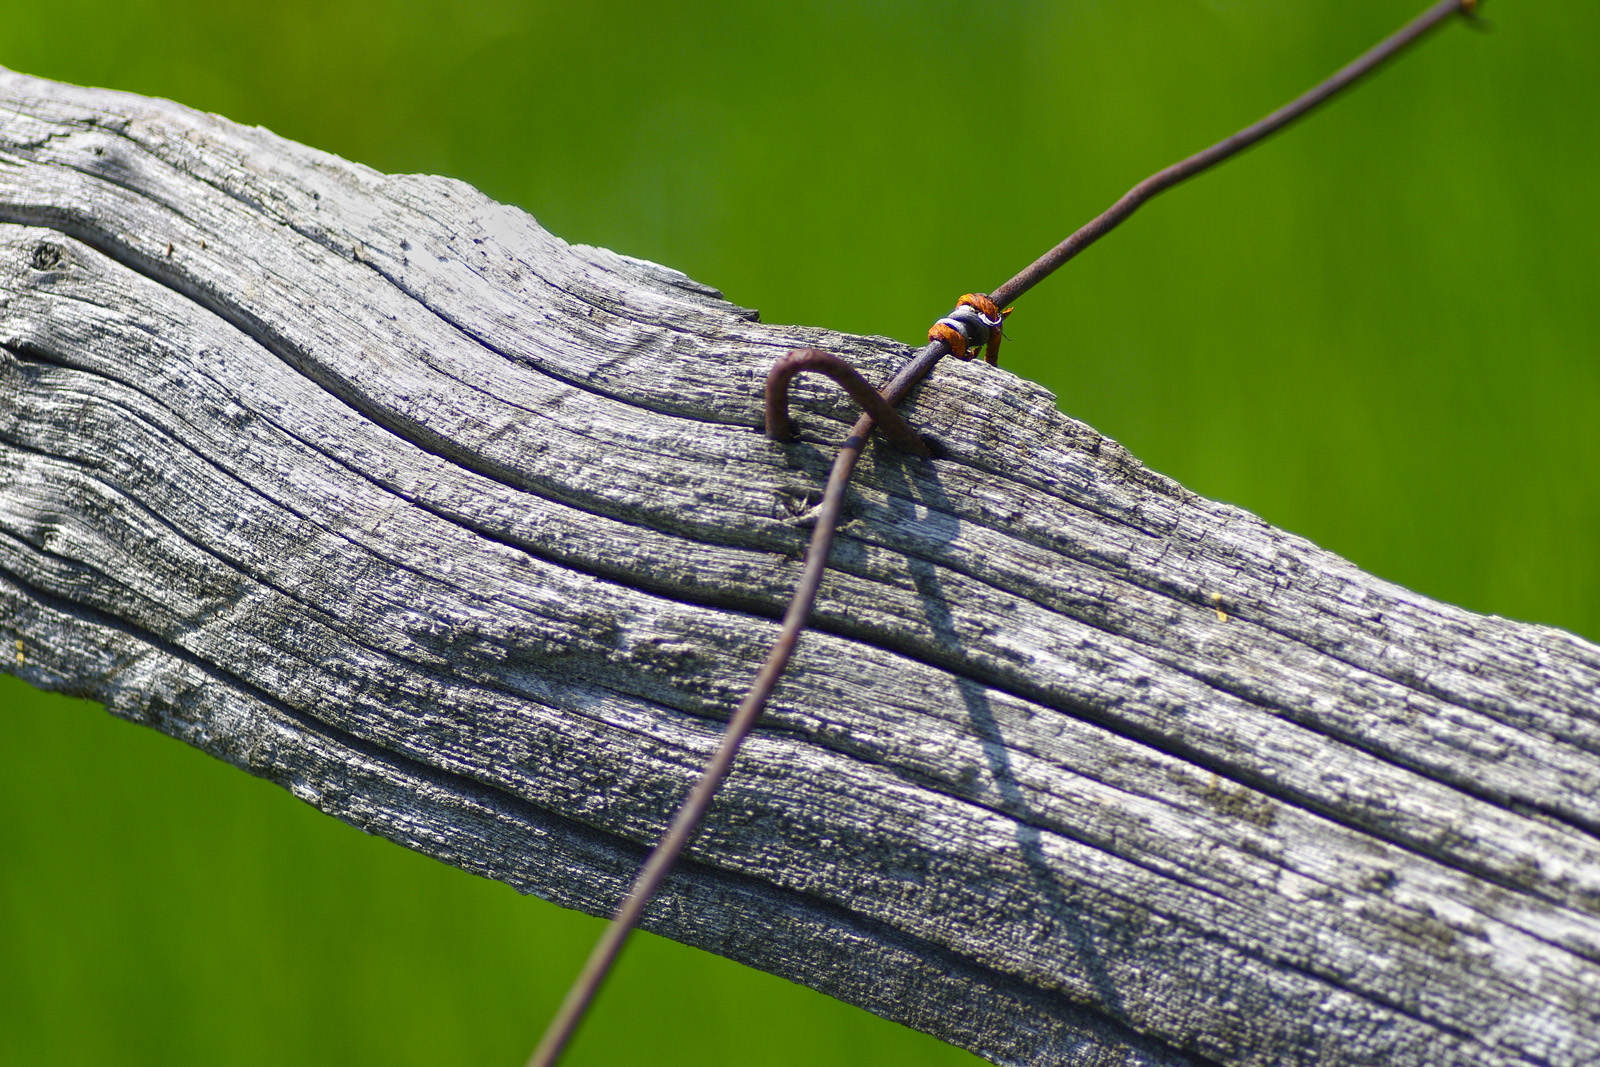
1379, 330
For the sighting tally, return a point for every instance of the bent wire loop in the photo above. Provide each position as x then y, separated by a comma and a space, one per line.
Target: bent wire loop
974, 324
888, 419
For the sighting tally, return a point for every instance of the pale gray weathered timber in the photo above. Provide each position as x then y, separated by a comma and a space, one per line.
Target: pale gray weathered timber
372, 487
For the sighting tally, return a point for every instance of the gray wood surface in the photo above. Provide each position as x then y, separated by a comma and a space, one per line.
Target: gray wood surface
372, 487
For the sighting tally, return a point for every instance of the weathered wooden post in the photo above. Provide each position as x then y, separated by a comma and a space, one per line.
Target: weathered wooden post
372, 487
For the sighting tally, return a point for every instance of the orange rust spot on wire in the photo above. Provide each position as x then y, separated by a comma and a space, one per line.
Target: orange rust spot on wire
994, 317
983, 304
950, 336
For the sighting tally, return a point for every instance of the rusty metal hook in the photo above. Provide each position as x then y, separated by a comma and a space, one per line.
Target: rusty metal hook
779, 428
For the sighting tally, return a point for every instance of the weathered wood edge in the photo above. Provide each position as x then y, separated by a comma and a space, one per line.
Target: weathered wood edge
1259, 720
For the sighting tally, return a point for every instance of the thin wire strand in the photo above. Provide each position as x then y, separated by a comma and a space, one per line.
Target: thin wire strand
684, 823
1163, 180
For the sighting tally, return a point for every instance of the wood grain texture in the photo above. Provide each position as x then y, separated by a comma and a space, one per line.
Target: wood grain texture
372, 487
